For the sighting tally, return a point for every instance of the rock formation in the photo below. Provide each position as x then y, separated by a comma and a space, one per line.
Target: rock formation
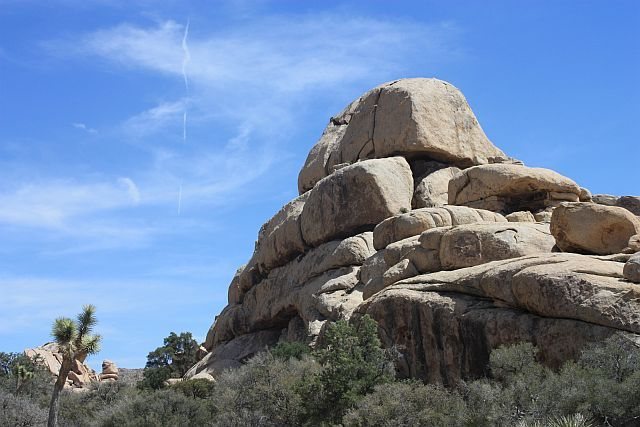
81, 375
109, 371
408, 213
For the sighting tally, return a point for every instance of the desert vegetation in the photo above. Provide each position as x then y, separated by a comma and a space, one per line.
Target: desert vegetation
349, 380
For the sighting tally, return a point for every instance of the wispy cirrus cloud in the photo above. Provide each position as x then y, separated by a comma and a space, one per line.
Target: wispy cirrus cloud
251, 77
84, 127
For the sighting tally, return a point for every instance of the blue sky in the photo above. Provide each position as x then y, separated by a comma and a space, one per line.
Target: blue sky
106, 197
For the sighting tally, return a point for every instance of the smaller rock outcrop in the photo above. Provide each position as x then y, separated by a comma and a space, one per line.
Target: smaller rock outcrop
50, 357
508, 188
109, 371
590, 228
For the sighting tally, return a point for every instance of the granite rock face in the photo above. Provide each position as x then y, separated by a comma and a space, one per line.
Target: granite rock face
408, 213
426, 118
593, 229
81, 375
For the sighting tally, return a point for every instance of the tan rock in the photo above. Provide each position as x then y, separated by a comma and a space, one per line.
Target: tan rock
593, 228
475, 244
521, 216
559, 301
433, 189
420, 117
315, 167
402, 270
544, 215
298, 288
203, 376
280, 239
509, 188
356, 198
634, 244
632, 268
109, 367
415, 222
605, 199
630, 203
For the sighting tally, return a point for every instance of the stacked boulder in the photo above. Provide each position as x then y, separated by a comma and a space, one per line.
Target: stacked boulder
408, 213
109, 371
81, 375
50, 357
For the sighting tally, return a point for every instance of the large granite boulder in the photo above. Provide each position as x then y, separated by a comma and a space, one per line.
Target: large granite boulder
356, 198
413, 117
592, 228
415, 222
446, 323
433, 189
509, 188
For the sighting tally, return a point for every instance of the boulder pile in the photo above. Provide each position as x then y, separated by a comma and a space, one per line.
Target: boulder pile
408, 213
81, 375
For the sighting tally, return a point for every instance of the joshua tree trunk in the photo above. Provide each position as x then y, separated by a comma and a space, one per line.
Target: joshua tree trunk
57, 388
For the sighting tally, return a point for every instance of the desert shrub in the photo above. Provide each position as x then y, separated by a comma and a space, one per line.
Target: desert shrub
196, 388
263, 392
81, 408
19, 411
409, 403
155, 409
289, 350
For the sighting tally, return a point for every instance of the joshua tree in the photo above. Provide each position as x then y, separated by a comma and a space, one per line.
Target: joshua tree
75, 342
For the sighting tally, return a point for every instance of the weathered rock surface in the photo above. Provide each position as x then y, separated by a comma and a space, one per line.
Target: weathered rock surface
632, 268
433, 189
509, 188
592, 228
414, 117
630, 203
109, 371
50, 357
521, 216
605, 199
449, 280
447, 322
356, 198
415, 222
315, 287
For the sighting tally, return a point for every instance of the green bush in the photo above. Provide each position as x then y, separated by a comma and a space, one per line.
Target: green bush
408, 403
289, 350
156, 409
263, 392
197, 388
18, 411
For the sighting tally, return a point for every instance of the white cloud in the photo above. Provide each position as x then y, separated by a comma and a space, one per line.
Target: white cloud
132, 189
84, 127
155, 119
286, 54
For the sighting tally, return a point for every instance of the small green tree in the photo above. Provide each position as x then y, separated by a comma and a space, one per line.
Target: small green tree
172, 360
75, 341
353, 363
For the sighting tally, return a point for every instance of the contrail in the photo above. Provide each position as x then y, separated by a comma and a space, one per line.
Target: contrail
186, 58
184, 127
179, 199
